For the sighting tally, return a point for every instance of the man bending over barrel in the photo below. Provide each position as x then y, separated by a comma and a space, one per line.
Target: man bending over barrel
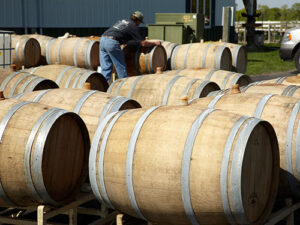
122, 32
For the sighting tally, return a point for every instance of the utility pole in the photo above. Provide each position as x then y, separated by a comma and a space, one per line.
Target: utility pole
250, 6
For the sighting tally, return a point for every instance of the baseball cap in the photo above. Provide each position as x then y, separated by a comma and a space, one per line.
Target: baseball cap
139, 15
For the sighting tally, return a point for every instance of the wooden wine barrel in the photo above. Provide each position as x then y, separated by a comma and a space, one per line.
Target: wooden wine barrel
284, 115
286, 80
13, 83
239, 56
91, 106
43, 154
224, 79
79, 52
94, 38
265, 88
144, 60
71, 77
26, 51
201, 55
169, 47
278, 89
159, 164
44, 41
161, 89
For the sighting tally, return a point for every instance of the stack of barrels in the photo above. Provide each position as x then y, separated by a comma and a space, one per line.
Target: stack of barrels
159, 146
67, 76
49, 130
211, 55
34, 49
159, 163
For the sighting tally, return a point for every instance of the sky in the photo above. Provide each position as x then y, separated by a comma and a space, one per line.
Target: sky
270, 3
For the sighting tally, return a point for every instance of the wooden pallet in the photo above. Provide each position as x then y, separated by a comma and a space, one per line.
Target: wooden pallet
44, 213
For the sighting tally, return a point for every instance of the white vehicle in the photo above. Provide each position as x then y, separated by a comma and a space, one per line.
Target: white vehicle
290, 46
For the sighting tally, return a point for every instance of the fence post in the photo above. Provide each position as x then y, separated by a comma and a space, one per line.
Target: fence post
269, 33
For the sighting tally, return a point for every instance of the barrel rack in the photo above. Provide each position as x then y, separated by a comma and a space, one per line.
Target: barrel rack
284, 214
44, 213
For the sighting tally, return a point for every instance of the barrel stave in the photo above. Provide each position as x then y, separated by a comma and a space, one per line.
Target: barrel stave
151, 90
74, 99
71, 77
201, 55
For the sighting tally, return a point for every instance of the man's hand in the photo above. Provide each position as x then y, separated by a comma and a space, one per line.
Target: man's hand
157, 42
147, 43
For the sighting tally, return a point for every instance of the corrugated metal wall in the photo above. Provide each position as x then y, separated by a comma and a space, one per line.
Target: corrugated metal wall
80, 13
11, 13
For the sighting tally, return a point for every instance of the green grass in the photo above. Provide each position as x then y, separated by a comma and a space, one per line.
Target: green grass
266, 60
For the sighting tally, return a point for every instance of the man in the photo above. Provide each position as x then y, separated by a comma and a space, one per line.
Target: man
122, 32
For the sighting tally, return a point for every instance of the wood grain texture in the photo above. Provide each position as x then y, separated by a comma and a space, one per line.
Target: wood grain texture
64, 154
157, 165
288, 80
44, 41
239, 56
71, 77
144, 60
201, 55
266, 88
169, 47
64, 50
150, 89
23, 82
91, 110
278, 110
224, 79
26, 51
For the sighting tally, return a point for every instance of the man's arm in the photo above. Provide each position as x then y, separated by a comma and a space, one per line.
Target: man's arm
147, 43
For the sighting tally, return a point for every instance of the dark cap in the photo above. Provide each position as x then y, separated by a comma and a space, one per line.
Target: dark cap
139, 15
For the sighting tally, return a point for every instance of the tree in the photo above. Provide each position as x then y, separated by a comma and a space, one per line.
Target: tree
281, 14
295, 12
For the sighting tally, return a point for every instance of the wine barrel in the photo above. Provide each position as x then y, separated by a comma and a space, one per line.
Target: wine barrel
239, 56
286, 80
278, 89
161, 89
169, 47
94, 38
159, 164
44, 41
201, 55
71, 77
283, 113
224, 79
13, 83
91, 106
43, 154
26, 51
79, 52
144, 60
265, 88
